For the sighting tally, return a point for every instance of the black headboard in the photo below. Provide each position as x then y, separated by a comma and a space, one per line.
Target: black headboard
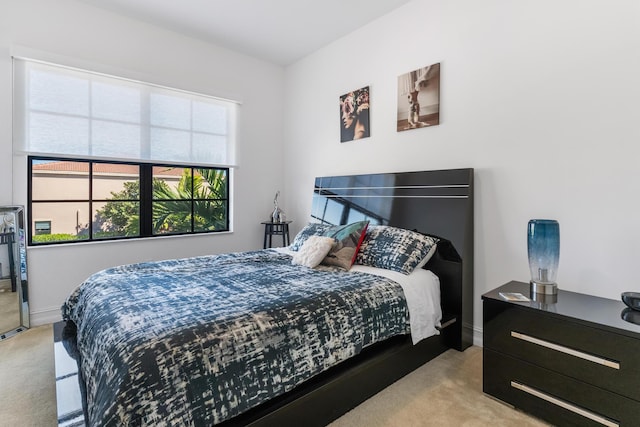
438, 203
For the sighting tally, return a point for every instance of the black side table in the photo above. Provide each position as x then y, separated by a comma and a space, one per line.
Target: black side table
276, 229
571, 362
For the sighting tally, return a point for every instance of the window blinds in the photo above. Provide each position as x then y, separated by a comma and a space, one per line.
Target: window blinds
61, 111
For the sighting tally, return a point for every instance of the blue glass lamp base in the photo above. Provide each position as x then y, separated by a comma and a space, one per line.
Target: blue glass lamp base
543, 248
543, 288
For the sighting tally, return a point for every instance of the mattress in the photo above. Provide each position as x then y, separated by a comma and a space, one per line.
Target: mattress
196, 341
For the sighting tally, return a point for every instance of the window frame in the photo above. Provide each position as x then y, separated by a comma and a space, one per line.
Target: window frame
36, 228
145, 179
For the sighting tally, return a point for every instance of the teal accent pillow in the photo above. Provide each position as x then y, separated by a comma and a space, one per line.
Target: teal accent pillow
311, 229
348, 240
395, 249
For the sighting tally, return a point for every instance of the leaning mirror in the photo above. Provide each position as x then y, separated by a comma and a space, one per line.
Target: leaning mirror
14, 298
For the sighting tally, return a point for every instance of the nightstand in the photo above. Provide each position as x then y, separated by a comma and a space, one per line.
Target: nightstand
572, 362
276, 229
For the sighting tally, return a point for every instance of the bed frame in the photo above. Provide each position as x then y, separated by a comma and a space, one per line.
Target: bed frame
438, 203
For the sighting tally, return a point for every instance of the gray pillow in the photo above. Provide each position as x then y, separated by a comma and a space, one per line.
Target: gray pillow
311, 229
395, 248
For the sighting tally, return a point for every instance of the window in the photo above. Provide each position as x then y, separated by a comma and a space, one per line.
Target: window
111, 158
98, 200
42, 227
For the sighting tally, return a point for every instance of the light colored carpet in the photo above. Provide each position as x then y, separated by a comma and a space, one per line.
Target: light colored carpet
445, 392
28, 391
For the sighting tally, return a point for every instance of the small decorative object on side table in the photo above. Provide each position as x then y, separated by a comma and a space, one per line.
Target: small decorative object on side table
631, 299
571, 362
279, 228
278, 214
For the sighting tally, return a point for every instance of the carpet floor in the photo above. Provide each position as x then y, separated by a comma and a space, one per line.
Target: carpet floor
445, 392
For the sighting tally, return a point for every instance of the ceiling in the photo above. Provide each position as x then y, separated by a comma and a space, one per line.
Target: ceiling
278, 31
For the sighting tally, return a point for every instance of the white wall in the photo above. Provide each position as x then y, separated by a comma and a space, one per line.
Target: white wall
81, 35
540, 97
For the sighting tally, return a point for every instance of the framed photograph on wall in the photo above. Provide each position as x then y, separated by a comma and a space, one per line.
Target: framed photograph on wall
354, 115
419, 98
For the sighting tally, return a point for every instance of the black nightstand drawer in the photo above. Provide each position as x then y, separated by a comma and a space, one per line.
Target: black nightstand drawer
554, 397
598, 357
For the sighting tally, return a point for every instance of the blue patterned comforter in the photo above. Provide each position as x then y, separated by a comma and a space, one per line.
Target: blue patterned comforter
197, 341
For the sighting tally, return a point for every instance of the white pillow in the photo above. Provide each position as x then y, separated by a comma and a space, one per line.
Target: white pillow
313, 251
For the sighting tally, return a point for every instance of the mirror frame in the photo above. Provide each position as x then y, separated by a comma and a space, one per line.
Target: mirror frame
18, 246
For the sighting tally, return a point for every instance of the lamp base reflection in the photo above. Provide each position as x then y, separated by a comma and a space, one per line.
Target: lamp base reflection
631, 316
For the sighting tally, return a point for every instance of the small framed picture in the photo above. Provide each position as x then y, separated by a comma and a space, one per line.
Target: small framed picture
419, 98
354, 115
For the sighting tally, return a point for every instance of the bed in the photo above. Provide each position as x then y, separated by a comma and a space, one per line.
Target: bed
252, 339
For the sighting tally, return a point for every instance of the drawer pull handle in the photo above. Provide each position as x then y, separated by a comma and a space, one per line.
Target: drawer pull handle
567, 350
568, 406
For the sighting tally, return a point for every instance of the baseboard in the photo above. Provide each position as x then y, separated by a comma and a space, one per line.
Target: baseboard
473, 332
45, 317
477, 336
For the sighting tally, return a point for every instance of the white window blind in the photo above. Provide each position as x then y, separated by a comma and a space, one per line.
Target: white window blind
61, 111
